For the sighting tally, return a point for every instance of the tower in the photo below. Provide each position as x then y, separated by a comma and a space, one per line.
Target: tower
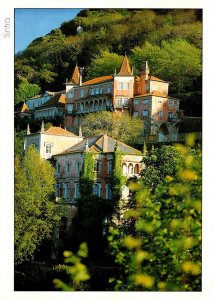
123, 86
74, 80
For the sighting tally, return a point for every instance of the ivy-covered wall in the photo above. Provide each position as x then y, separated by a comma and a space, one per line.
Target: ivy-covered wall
87, 175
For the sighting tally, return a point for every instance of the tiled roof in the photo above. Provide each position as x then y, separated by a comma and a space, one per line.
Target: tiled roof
75, 75
58, 131
155, 93
59, 98
101, 143
24, 108
98, 80
125, 67
156, 79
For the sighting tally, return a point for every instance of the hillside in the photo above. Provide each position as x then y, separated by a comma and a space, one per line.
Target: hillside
171, 40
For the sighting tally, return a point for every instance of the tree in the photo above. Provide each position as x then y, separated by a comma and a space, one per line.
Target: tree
26, 90
118, 126
165, 253
104, 64
36, 214
176, 60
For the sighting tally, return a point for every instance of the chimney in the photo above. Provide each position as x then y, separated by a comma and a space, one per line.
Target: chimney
79, 130
144, 76
105, 142
86, 146
80, 75
42, 126
28, 129
145, 69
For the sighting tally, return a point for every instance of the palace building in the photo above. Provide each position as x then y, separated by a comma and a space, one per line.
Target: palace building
143, 96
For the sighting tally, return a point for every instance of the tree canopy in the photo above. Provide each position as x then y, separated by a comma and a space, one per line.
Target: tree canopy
119, 126
35, 211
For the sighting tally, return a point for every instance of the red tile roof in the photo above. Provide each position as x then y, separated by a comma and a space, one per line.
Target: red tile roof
125, 67
24, 108
155, 93
98, 80
156, 79
75, 75
58, 131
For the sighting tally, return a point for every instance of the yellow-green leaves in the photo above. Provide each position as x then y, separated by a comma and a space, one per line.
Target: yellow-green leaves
144, 280
75, 269
191, 268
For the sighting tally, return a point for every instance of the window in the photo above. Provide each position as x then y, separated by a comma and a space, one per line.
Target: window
123, 85
136, 169
101, 89
119, 101
171, 103
160, 113
77, 167
170, 115
67, 167
130, 169
76, 191
58, 168
135, 114
145, 113
69, 107
160, 101
108, 191
147, 88
126, 101
97, 91
97, 189
97, 166
124, 168
48, 148
108, 88
58, 190
136, 102
66, 190
109, 167
82, 93
81, 107
92, 91
145, 101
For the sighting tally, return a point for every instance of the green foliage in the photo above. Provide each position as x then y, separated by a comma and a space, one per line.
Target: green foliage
19, 142
104, 63
109, 33
165, 253
176, 61
160, 162
118, 180
36, 214
76, 270
87, 175
118, 126
26, 90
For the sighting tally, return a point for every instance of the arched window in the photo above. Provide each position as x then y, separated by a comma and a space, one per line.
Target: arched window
131, 169
136, 171
124, 168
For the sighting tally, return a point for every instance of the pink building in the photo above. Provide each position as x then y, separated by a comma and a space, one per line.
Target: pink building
144, 96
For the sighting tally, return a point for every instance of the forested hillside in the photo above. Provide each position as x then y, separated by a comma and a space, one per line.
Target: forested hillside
171, 40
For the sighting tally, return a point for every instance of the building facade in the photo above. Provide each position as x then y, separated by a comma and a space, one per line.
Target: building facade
69, 164
143, 96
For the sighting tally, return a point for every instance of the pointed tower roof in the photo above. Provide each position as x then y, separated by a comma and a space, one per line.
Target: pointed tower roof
75, 75
125, 68
24, 108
